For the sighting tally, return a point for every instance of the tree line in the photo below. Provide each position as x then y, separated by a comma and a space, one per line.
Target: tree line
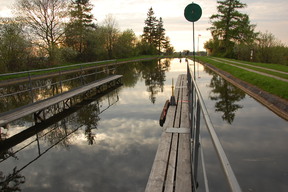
51, 32
233, 36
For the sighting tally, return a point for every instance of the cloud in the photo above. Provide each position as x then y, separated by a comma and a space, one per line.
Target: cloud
131, 14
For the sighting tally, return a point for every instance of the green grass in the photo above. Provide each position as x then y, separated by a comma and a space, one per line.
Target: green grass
278, 67
70, 66
284, 76
269, 84
267, 70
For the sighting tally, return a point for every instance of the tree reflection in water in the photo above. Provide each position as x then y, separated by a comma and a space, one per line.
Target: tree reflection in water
226, 96
89, 118
11, 182
153, 72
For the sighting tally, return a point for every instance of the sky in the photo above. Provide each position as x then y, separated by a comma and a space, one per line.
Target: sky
270, 16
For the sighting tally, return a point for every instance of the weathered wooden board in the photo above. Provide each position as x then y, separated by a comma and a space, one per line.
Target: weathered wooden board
171, 170
183, 174
158, 172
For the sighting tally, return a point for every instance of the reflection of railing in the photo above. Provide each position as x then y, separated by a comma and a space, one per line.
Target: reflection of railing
112, 98
33, 75
197, 106
8, 143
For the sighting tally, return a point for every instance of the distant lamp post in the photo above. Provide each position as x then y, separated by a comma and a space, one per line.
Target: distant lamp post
198, 45
198, 53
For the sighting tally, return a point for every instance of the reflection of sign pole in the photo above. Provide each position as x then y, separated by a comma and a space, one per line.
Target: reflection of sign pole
198, 51
193, 13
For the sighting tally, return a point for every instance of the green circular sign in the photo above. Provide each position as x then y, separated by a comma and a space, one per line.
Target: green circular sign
193, 12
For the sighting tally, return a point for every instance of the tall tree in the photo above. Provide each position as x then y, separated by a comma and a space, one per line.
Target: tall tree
168, 48
160, 35
15, 47
150, 29
111, 32
230, 26
46, 19
153, 38
81, 23
269, 49
125, 45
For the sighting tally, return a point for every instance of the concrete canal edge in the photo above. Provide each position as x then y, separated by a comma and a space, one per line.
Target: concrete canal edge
273, 102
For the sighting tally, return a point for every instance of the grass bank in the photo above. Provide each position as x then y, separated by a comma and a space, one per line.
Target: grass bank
66, 67
268, 84
278, 67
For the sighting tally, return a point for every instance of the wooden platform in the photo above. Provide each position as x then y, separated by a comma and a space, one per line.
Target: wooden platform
171, 170
12, 115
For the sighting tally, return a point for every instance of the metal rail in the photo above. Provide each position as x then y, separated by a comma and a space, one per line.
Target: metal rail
195, 107
29, 88
54, 68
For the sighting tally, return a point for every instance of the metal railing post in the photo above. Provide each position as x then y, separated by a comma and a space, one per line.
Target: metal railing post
196, 143
30, 87
81, 76
61, 88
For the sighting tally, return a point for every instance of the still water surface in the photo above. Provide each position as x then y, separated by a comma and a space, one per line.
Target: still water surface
109, 143
253, 137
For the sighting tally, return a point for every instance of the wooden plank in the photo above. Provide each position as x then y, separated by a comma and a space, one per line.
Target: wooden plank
178, 97
183, 174
170, 178
40, 105
172, 167
174, 172
178, 130
158, 172
185, 104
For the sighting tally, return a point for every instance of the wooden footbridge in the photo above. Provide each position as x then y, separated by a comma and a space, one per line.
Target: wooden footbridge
175, 167
38, 107
172, 164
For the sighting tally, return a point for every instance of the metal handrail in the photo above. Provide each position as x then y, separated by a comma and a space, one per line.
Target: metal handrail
31, 89
231, 178
54, 68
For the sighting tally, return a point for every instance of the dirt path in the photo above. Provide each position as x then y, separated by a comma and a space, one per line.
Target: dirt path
224, 61
255, 66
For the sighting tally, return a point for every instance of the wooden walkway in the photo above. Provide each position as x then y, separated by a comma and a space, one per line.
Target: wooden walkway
171, 170
20, 112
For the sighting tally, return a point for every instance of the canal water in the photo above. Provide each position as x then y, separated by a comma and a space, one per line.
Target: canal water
109, 143
253, 137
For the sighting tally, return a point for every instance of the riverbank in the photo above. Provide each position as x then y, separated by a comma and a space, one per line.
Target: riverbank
19, 77
274, 102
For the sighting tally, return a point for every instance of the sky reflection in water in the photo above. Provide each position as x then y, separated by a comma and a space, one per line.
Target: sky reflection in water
255, 139
124, 146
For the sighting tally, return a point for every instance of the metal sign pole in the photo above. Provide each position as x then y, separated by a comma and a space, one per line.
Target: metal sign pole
193, 13
194, 52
